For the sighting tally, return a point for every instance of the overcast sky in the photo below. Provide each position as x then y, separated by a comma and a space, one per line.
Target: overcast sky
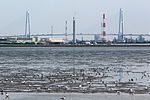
45, 13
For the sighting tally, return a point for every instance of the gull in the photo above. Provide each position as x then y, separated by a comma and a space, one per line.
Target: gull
131, 91
146, 88
6, 95
118, 92
63, 98
2, 92
80, 86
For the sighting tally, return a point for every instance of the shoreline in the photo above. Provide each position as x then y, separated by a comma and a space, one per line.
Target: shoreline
74, 96
114, 93
139, 93
101, 45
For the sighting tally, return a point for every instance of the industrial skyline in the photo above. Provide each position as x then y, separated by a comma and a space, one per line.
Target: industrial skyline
103, 36
44, 14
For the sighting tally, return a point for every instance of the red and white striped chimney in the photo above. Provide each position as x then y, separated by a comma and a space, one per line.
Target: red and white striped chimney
103, 26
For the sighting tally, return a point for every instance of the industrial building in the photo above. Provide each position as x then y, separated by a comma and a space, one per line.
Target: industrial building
55, 41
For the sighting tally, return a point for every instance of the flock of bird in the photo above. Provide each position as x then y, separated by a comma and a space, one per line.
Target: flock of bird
82, 78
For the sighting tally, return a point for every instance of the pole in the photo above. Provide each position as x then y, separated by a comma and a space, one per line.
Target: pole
51, 31
74, 31
26, 24
29, 25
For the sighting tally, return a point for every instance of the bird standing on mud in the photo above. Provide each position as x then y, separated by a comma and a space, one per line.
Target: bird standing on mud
118, 92
63, 98
131, 91
2, 92
6, 95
